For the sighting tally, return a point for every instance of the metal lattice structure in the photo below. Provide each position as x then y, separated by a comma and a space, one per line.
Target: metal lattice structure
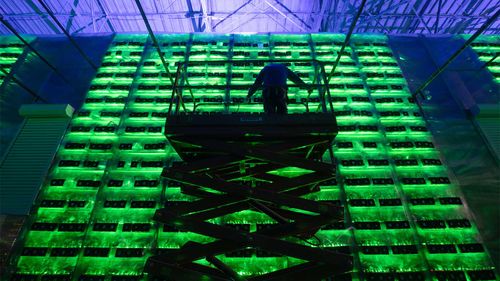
404, 216
389, 17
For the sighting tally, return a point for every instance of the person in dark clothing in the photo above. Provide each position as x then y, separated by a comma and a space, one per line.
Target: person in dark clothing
273, 78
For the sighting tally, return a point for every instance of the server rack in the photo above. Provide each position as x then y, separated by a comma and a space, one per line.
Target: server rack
10, 50
404, 217
488, 49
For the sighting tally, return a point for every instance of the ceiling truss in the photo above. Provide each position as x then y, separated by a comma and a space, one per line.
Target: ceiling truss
379, 16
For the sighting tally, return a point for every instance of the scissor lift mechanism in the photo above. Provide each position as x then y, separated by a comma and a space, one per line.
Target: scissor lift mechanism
226, 160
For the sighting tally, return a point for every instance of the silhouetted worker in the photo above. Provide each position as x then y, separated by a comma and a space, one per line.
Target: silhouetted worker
273, 77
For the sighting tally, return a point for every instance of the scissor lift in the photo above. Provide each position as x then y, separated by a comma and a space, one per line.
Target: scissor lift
226, 163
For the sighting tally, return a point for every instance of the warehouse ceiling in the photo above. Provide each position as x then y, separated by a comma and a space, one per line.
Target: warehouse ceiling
233, 16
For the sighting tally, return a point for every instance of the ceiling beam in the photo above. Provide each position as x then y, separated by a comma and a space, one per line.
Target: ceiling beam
35, 8
190, 14
285, 28
92, 22
255, 15
71, 40
436, 25
421, 20
72, 14
182, 14
283, 15
293, 14
207, 19
388, 12
386, 16
105, 14
232, 13
407, 20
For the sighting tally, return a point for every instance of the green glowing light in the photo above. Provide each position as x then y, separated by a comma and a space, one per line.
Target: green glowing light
116, 163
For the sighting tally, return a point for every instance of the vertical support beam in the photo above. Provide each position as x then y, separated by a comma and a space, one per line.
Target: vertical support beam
157, 46
347, 38
227, 96
56, 21
319, 75
206, 19
436, 26
196, 27
153, 38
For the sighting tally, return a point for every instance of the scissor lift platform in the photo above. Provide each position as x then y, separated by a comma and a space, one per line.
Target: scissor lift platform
226, 163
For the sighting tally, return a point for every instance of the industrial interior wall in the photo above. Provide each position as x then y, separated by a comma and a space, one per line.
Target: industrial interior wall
70, 86
400, 168
451, 105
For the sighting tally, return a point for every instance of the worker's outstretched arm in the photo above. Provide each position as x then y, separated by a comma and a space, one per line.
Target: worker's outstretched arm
296, 79
257, 83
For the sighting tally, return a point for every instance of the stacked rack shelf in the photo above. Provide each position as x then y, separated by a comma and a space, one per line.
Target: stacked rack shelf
488, 51
404, 216
11, 49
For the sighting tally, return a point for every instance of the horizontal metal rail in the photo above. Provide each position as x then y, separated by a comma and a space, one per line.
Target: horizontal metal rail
180, 68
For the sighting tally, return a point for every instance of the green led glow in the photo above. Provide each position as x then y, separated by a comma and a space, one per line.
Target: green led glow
290, 172
117, 215
252, 266
377, 214
43, 265
382, 237
174, 240
53, 239
387, 263
112, 265
247, 216
469, 261
488, 52
109, 162
8, 62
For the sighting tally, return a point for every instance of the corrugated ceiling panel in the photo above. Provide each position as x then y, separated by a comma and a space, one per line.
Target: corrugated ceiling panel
256, 16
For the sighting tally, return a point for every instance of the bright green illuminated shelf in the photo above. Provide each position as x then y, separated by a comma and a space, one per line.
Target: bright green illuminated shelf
11, 50
120, 166
487, 48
